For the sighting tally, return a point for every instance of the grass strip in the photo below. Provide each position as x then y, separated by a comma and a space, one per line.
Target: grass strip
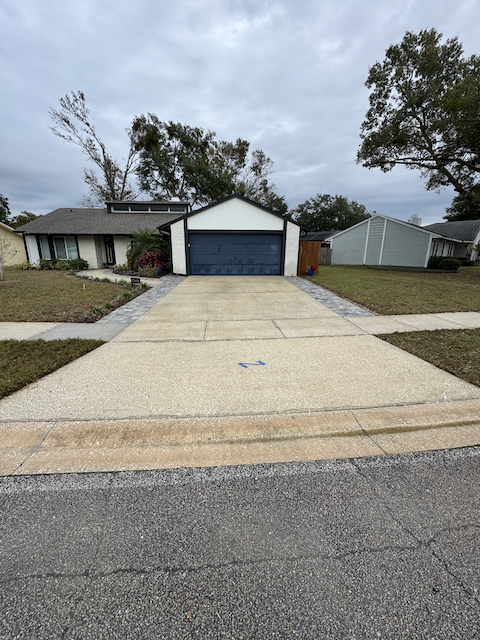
396, 292
25, 361
454, 350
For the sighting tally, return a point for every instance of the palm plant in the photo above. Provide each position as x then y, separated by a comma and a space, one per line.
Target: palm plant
144, 240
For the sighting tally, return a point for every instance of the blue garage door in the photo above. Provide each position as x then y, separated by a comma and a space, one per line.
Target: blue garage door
245, 254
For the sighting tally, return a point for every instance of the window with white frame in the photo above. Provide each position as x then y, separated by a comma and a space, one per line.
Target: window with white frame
44, 248
65, 247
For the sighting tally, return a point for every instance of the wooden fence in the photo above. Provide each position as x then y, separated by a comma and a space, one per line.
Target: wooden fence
308, 254
326, 256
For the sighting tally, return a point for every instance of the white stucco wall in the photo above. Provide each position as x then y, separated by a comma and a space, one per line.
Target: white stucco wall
100, 252
86, 251
121, 244
234, 215
15, 254
291, 249
179, 260
32, 249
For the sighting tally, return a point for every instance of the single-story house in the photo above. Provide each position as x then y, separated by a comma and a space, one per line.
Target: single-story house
465, 231
15, 253
234, 236
381, 240
99, 236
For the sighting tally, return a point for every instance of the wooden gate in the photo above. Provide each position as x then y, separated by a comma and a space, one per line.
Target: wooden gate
308, 254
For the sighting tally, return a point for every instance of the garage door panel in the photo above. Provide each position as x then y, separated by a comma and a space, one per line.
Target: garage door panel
232, 254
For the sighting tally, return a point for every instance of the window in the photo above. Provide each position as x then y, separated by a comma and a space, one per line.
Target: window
65, 247
44, 248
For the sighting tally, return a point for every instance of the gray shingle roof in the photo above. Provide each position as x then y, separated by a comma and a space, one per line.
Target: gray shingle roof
464, 230
86, 222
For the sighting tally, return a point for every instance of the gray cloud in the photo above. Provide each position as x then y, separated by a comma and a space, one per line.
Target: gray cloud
286, 76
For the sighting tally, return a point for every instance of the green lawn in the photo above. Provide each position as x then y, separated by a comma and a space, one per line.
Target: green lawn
397, 292
55, 296
456, 351
25, 361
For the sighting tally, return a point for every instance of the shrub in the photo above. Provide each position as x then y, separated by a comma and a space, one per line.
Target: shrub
24, 266
147, 272
152, 258
47, 264
450, 264
434, 262
144, 240
78, 264
63, 265
468, 263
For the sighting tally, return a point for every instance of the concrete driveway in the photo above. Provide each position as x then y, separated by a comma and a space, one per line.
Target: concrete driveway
235, 370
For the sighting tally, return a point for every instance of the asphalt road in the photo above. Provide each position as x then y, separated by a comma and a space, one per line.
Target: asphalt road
366, 548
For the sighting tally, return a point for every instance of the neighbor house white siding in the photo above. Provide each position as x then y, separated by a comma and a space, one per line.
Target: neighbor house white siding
234, 215
179, 261
32, 249
291, 249
405, 245
349, 247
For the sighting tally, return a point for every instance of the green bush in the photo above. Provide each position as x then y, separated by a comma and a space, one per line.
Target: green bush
450, 264
440, 262
147, 271
47, 264
24, 266
468, 263
63, 265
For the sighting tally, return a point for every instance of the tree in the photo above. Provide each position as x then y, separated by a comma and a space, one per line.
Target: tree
177, 160
23, 218
463, 209
424, 113
6, 251
328, 213
189, 163
73, 125
249, 173
5, 212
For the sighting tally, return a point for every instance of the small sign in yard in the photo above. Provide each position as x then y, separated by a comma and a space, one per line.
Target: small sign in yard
135, 280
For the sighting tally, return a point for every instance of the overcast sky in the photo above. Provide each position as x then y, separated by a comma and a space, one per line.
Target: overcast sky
286, 75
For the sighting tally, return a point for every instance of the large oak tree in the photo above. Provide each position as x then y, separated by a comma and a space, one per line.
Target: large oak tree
425, 113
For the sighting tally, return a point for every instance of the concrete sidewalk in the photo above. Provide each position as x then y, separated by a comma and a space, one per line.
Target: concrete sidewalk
238, 370
243, 329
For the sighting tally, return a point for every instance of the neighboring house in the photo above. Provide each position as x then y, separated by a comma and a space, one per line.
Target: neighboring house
465, 231
319, 236
234, 236
16, 253
381, 240
99, 236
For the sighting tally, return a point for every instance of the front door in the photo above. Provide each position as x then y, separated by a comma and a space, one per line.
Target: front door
109, 250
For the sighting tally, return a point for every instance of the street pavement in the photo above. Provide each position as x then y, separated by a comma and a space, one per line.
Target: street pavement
364, 548
228, 371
